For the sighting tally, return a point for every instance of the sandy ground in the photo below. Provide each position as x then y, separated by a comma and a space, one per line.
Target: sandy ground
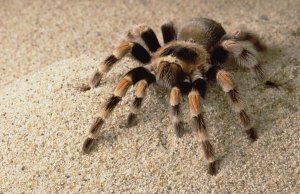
47, 48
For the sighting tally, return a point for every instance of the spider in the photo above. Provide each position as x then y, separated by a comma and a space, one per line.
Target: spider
190, 57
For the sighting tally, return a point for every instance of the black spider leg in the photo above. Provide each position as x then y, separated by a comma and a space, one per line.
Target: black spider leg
150, 39
199, 83
211, 72
131, 78
195, 97
219, 56
168, 32
140, 53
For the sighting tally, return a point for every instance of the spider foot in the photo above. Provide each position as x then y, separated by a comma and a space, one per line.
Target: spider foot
83, 88
95, 79
87, 145
252, 135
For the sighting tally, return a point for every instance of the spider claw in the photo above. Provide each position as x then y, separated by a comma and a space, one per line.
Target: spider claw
131, 120
84, 88
96, 78
252, 135
212, 168
93, 83
87, 145
269, 84
179, 130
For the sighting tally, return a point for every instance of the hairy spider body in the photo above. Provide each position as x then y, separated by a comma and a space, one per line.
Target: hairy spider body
190, 57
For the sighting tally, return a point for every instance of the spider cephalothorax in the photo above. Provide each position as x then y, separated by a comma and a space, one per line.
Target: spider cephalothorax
197, 53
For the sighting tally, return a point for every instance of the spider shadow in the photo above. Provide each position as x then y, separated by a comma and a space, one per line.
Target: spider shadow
283, 81
106, 139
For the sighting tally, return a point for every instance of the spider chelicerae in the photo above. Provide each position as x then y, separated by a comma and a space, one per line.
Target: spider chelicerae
191, 56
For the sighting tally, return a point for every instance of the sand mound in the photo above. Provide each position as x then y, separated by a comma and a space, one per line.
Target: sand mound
44, 119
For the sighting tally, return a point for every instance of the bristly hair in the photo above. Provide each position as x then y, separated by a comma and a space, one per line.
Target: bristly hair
112, 102
169, 74
192, 56
109, 61
245, 54
249, 36
219, 56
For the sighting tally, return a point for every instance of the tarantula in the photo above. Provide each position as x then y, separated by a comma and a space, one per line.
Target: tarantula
191, 56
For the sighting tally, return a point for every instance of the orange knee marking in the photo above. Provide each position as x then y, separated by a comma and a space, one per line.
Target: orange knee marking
122, 87
174, 96
122, 49
194, 103
225, 80
140, 88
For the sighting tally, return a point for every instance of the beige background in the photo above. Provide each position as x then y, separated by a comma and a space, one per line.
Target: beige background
47, 48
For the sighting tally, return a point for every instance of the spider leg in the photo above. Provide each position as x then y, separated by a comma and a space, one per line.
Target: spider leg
225, 80
126, 45
199, 83
175, 97
246, 56
140, 92
251, 37
248, 59
149, 37
131, 78
244, 46
195, 97
194, 101
168, 32
179, 89
137, 51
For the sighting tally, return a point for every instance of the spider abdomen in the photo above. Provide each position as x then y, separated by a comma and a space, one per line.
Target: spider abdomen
206, 32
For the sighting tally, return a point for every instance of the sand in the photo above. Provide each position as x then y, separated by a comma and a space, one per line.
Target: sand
48, 48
